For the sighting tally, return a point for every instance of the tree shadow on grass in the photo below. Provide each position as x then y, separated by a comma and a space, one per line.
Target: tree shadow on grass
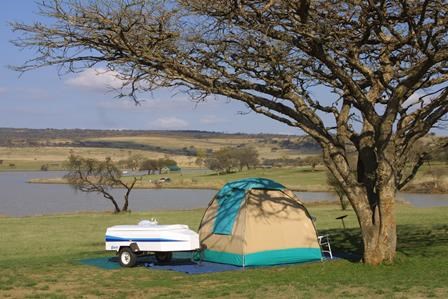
346, 244
415, 240
412, 240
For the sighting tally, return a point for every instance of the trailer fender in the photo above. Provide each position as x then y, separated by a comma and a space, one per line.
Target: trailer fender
134, 247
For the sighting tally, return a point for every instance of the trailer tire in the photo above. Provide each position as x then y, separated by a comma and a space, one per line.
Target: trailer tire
164, 257
127, 257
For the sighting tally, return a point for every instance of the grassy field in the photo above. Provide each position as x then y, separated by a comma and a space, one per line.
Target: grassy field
298, 179
25, 158
157, 146
40, 259
267, 149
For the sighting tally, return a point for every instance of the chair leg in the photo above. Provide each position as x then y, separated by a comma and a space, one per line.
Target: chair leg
324, 242
329, 249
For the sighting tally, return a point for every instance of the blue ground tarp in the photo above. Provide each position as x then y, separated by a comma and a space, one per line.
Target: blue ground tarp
195, 268
181, 262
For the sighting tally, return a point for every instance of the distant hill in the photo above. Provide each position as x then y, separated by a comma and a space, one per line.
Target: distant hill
34, 149
123, 139
33, 137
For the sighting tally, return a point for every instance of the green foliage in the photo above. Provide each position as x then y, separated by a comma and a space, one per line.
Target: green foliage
152, 165
313, 161
133, 162
201, 155
222, 160
228, 159
247, 156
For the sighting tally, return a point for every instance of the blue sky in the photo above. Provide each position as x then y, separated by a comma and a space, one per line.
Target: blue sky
42, 99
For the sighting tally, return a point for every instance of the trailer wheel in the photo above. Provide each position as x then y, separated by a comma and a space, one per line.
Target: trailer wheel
127, 258
164, 257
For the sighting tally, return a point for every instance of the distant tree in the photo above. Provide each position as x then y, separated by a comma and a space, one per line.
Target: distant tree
223, 160
201, 155
213, 164
338, 189
1, 162
91, 175
166, 162
246, 156
44, 167
313, 161
149, 165
122, 164
152, 165
134, 161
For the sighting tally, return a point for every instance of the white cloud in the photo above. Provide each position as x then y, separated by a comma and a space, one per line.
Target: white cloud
169, 123
96, 79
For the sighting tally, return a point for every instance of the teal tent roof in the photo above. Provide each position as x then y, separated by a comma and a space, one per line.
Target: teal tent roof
230, 197
248, 184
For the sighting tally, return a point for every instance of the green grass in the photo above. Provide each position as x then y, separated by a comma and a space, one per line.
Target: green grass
299, 178
39, 259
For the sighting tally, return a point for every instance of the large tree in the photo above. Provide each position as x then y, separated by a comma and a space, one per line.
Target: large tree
383, 63
94, 176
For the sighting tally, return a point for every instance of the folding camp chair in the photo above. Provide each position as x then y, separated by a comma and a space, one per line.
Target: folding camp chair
325, 247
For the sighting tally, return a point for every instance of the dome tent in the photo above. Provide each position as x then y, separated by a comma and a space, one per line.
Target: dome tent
256, 221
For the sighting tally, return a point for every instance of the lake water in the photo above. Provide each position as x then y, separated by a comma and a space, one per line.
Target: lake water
19, 198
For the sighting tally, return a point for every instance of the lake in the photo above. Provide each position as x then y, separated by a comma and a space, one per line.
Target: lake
19, 198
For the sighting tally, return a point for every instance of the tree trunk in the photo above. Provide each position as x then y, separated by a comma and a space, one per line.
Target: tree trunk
111, 198
126, 200
378, 226
379, 236
126, 203
128, 191
342, 202
114, 202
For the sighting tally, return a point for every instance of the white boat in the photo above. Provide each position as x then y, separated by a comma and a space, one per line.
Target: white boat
147, 237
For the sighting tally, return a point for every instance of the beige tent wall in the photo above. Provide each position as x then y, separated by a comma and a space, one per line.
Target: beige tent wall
267, 220
228, 243
276, 221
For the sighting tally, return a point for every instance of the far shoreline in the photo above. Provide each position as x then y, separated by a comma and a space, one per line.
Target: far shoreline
61, 181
